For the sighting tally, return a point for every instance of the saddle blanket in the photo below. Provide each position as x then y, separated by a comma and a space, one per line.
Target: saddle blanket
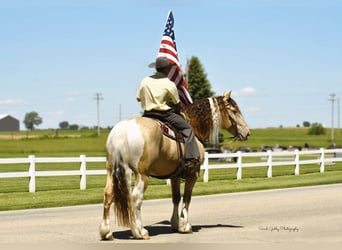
170, 132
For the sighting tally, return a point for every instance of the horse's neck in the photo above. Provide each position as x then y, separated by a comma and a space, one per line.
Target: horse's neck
204, 116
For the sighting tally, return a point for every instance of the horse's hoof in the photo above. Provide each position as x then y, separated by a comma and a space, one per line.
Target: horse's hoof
145, 234
145, 237
109, 236
105, 232
184, 228
187, 229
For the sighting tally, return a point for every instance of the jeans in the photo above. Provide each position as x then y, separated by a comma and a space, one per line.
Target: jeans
179, 123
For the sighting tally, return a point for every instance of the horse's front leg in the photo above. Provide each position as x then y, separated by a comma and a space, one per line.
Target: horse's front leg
176, 197
184, 225
104, 229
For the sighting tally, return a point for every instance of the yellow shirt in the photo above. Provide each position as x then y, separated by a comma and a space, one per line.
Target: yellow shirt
156, 91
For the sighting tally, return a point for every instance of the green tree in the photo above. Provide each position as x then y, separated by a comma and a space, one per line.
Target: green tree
306, 124
198, 84
74, 127
32, 119
64, 125
316, 129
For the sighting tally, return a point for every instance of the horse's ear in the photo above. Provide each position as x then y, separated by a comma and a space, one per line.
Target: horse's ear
226, 95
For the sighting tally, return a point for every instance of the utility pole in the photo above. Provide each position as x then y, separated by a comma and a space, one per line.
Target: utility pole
338, 115
332, 99
98, 97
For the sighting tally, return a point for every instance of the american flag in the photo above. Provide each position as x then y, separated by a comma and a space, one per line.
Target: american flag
168, 48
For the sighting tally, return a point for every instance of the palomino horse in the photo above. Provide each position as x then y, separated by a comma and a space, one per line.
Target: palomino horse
138, 146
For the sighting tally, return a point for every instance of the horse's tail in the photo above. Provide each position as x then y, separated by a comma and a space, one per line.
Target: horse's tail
123, 209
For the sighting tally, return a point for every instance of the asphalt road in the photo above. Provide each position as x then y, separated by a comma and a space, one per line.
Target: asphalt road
296, 215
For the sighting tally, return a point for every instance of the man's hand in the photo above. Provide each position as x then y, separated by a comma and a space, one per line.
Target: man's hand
177, 108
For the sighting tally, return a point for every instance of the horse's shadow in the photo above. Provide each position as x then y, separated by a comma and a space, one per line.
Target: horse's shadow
164, 227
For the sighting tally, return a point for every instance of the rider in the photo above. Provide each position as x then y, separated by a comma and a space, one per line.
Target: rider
159, 98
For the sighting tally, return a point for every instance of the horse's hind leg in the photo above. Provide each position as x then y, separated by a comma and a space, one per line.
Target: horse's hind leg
137, 228
105, 232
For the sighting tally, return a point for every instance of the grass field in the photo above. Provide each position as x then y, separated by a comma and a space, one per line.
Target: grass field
61, 191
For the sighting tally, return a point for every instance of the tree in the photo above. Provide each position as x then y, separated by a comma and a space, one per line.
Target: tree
306, 124
64, 125
199, 85
74, 127
316, 129
31, 120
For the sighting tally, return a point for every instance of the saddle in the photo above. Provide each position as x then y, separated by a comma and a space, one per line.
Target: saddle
174, 134
169, 131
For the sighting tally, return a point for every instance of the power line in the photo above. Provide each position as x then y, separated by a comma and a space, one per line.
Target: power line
98, 97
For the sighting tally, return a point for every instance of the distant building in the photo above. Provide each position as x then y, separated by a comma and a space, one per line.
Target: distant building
8, 123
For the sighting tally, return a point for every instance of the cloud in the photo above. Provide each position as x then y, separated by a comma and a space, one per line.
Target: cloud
252, 109
73, 95
11, 102
247, 91
59, 113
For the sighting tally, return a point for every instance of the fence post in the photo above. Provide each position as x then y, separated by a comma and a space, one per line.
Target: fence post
269, 163
206, 167
239, 164
32, 174
83, 170
296, 162
321, 169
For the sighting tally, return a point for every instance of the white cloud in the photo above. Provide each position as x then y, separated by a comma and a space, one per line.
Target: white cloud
59, 113
247, 91
252, 109
11, 102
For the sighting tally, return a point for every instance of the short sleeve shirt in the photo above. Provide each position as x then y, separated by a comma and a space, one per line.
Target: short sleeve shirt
156, 91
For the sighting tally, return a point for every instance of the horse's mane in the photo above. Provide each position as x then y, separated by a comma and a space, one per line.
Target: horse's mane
205, 117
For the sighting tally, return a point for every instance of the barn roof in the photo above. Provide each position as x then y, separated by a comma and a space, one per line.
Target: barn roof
2, 116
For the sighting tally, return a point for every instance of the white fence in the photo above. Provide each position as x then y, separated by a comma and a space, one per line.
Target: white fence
269, 159
32, 173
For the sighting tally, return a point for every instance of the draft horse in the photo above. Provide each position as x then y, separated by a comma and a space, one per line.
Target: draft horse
137, 146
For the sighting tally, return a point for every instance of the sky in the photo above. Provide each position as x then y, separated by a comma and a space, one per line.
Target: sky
281, 59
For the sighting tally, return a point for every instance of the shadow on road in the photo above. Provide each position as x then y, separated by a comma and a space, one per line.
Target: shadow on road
164, 227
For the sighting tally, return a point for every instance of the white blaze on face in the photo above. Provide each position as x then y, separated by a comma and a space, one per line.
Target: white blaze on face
127, 138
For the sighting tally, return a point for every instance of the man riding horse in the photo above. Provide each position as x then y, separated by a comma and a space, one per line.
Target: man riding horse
159, 99
137, 147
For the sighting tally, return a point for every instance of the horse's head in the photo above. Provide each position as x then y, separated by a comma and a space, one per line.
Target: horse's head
207, 116
231, 117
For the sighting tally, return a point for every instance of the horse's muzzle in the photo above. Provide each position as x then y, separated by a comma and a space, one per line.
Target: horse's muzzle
242, 135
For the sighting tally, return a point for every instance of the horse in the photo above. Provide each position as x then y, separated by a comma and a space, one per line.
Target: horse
137, 146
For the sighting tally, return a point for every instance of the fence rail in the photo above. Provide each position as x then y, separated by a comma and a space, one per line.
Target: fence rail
271, 159
32, 173
268, 159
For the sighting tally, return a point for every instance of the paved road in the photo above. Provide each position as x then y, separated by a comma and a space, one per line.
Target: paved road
309, 214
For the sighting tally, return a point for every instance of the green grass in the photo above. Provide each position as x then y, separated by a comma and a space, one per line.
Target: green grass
64, 191
284, 137
71, 195
45, 143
